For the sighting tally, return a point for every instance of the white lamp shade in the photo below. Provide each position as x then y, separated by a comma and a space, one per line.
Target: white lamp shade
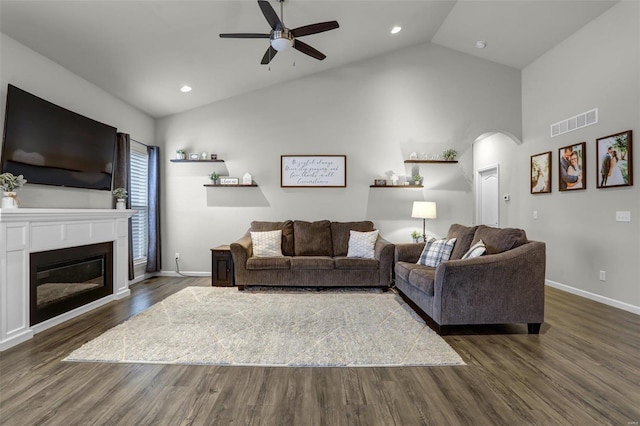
281, 44
424, 209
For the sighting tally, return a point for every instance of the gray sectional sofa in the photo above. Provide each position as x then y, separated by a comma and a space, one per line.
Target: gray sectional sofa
504, 286
314, 254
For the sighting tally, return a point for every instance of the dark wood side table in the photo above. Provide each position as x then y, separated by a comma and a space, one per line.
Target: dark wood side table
222, 267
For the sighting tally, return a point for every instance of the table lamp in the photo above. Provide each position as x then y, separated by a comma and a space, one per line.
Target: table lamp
425, 210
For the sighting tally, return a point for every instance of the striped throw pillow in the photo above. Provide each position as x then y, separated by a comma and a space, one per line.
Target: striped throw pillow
476, 250
436, 251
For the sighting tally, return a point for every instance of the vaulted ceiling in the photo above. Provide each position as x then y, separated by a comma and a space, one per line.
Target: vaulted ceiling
144, 51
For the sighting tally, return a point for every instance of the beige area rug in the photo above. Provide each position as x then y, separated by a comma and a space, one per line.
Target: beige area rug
273, 327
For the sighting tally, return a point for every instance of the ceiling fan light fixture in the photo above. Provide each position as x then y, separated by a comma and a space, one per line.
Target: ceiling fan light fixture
185, 89
282, 40
396, 29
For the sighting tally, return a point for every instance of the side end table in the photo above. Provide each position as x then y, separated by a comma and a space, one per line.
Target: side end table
222, 267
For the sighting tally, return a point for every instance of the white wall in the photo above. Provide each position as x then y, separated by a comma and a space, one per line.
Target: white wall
599, 66
38, 75
424, 99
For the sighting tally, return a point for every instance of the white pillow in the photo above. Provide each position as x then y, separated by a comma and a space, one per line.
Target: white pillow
436, 251
476, 250
362, 244
267, 244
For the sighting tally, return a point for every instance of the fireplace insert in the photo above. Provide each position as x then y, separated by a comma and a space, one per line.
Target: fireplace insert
65, 279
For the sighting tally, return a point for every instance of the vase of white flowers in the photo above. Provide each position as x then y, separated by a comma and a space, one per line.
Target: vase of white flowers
9, 183
121, 195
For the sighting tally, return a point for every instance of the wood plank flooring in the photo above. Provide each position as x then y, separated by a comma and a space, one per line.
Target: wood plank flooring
583, 369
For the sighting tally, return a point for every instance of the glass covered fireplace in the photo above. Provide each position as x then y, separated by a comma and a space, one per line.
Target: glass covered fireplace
65, 279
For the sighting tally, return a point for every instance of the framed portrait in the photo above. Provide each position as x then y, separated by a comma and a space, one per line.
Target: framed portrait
572, 167
316, 171
614, 160
541, 173
380, 182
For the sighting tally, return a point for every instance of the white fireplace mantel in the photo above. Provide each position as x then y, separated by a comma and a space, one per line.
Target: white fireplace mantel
24, 231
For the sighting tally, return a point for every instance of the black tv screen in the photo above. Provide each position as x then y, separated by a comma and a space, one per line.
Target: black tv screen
51, 145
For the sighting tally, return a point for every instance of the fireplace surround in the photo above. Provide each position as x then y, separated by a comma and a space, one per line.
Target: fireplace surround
25, 233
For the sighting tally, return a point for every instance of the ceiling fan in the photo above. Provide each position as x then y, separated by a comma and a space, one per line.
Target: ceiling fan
282, 38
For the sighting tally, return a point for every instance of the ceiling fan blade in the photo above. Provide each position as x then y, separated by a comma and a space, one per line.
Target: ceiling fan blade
270, 14
268, 55
308, 50
245, 35
315, 28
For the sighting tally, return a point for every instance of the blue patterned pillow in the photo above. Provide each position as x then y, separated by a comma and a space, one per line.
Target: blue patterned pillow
436, 252
362, 244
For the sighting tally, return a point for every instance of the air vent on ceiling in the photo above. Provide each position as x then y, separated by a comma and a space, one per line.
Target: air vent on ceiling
574, 123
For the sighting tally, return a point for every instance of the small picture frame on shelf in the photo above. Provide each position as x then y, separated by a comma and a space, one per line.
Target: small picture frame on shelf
194, 156
380, 182
229, 181
214, 156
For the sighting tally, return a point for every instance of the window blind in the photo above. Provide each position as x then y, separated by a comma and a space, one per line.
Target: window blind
139, 200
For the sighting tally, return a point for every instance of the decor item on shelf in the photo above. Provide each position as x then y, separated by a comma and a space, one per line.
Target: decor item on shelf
282, 38
214, 177
204, 155
450, 154
417, 179
425, 210
247, 179
181, 154
9, 183
121, 195
194, 156
229, 181
380, 182
214, 156
394, 179
413, 156
415, 235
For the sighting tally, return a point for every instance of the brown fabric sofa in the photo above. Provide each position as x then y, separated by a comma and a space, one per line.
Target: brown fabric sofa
314, 254
504, 286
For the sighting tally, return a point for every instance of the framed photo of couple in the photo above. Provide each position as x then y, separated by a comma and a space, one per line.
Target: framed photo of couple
613, 156
572, 164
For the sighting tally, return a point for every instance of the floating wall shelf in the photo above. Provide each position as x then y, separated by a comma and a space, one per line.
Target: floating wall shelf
196, 161
229, 185
396, 186
430, 161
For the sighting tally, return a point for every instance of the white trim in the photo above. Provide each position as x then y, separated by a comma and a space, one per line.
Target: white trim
478, 175
595, 297
142, 277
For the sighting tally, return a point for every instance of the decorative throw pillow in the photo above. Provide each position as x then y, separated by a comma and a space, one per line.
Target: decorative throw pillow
436, 251
267, 244
362, 244
476, 250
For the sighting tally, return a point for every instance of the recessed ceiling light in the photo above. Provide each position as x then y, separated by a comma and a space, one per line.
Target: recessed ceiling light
396, 30
185, 89
481, 44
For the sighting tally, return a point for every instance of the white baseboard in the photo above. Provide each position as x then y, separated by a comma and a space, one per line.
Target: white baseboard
596, 297
142, 277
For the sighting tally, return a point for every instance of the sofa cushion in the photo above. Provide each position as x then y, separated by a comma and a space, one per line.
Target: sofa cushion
476, 250
423, 279
464, 237
258, 263
287, 233
340, 234
311, 262
356, 263
403, 269
312, 238
267, 243
498, 240
362, 244
436, 252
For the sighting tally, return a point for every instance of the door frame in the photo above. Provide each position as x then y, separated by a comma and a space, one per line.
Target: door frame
479, 173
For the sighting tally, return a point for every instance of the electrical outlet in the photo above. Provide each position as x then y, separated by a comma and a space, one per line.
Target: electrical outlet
603, 275
177, 255
535, 214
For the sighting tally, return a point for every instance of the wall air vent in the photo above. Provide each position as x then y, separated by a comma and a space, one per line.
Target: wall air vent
574, 123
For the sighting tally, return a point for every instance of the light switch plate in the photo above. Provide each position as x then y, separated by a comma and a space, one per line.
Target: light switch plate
623, 216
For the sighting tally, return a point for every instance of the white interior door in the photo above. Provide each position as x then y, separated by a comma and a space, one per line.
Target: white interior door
488, 197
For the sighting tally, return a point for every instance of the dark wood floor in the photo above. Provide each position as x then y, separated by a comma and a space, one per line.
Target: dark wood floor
583, 369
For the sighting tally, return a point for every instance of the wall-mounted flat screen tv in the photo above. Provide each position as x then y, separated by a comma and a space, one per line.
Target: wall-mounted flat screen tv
51, 145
